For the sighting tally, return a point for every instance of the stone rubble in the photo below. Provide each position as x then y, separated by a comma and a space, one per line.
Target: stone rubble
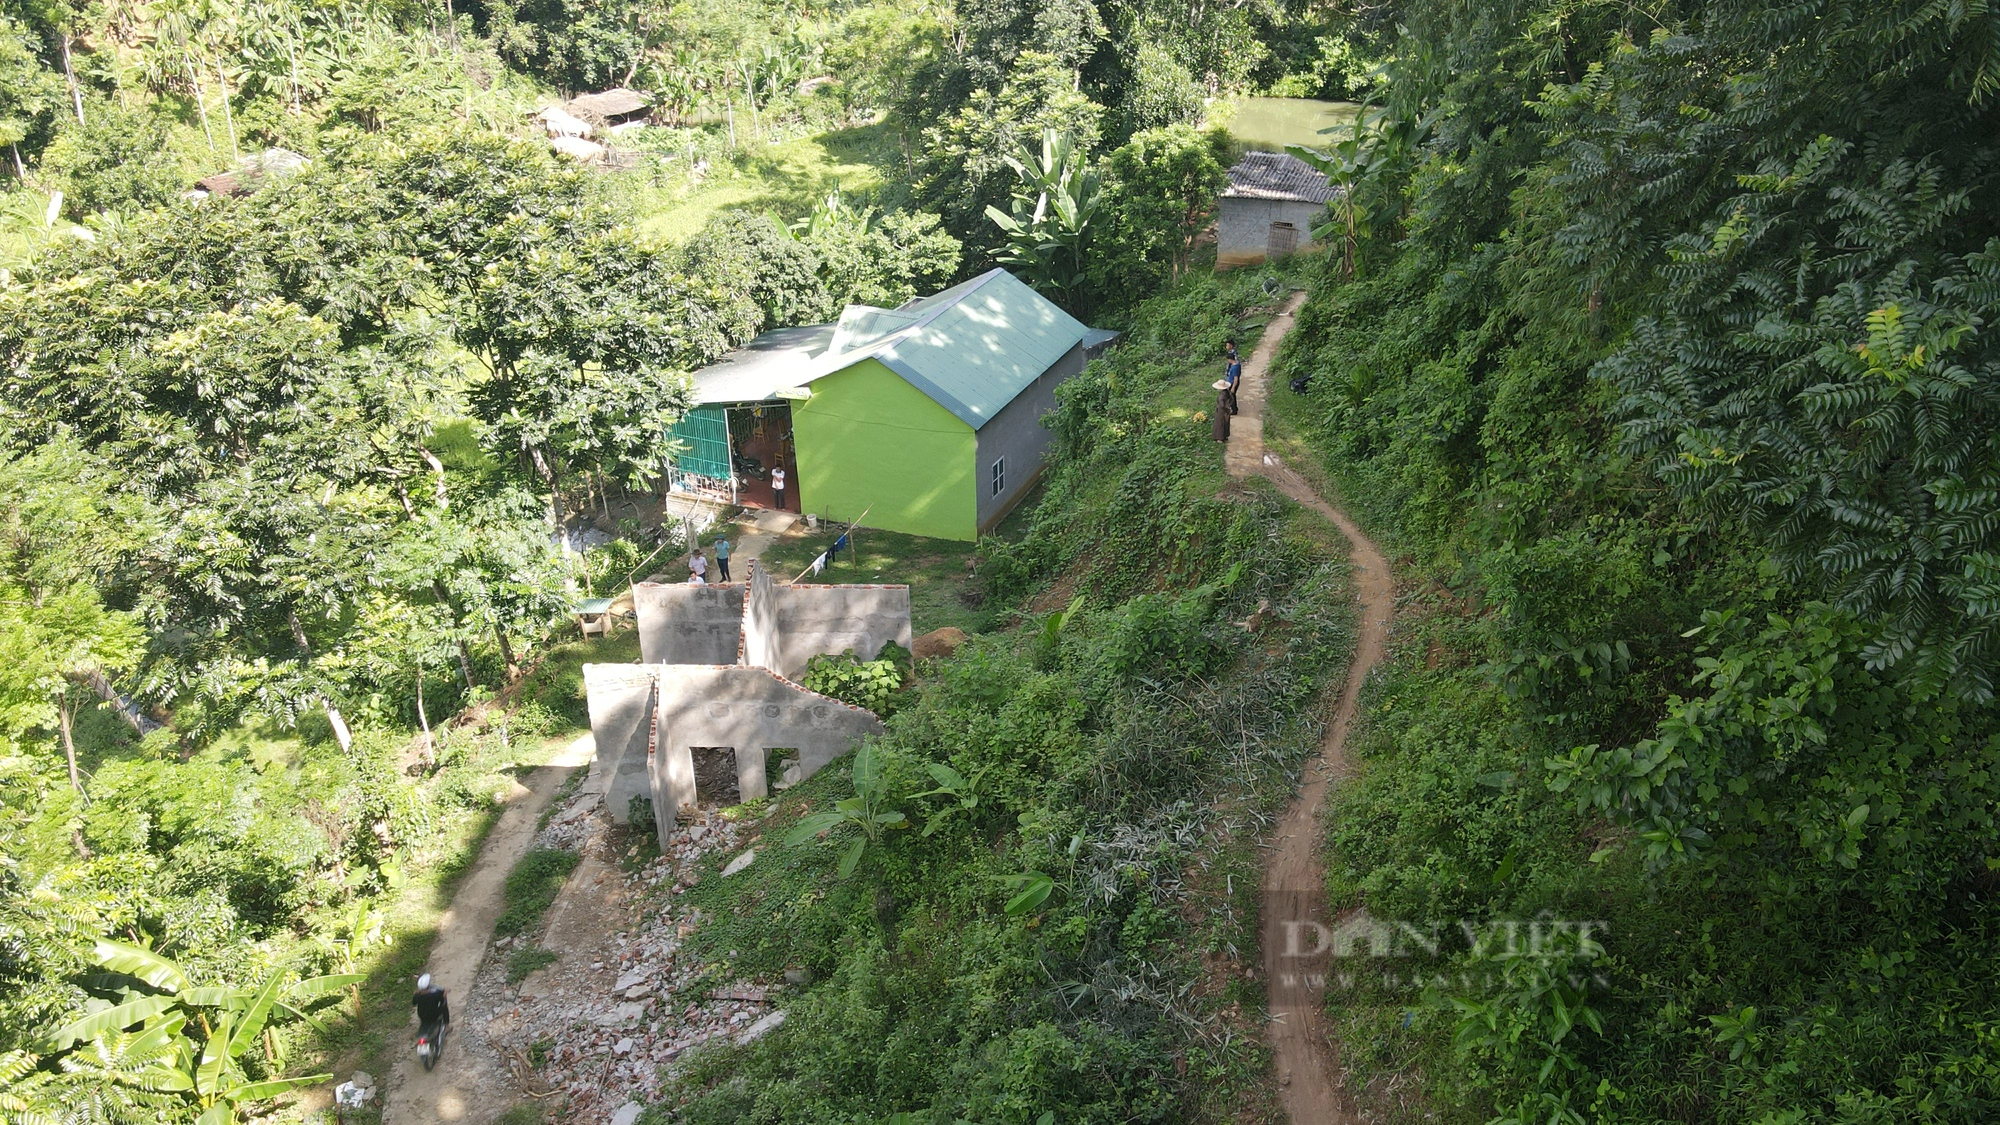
604, 1034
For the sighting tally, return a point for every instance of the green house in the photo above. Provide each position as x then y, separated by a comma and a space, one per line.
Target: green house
927, 417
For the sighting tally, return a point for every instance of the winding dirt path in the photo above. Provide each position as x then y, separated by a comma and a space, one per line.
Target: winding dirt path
469, 1084
1294, 923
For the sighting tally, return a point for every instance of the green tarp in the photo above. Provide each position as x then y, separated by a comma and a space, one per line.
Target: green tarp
704, 436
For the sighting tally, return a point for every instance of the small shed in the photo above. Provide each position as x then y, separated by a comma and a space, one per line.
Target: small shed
610, 109
576, 148
251, 172
926, 416
596, 616
1269, 208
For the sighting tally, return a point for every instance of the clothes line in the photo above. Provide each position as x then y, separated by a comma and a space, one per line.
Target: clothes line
819, 562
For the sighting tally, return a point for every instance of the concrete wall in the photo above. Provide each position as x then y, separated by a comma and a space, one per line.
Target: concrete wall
683, 624
1243, 227
1017, 434
646, 718
760, 620
751, 711
621, 700
788, 625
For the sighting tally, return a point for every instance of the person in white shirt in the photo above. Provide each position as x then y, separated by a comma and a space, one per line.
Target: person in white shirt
698, 565
778, 488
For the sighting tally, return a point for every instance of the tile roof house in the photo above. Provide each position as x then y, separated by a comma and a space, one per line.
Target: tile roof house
1269, 208
926, 416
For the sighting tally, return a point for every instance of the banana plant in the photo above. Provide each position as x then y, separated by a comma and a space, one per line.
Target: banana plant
1054, 211
867, 811
159, 1057
953, 784
1376, 147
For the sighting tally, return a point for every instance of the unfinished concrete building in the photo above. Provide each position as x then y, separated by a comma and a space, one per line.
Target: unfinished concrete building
714, 701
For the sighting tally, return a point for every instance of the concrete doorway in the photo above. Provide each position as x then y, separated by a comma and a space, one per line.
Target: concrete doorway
715, 777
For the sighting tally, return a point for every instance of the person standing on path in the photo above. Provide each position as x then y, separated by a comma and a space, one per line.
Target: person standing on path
778, 488
722, 557
1220, 429
1232, 375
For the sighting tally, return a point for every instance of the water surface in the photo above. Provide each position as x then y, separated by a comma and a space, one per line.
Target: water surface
1273, 123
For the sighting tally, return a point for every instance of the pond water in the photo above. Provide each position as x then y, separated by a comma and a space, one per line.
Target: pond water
1273, 123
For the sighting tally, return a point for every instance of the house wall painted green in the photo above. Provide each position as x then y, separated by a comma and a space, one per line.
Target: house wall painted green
869, 441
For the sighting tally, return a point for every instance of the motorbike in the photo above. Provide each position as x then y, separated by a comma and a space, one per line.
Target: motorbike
430, 1045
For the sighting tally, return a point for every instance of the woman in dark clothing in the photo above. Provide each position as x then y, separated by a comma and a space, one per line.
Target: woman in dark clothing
1220, 431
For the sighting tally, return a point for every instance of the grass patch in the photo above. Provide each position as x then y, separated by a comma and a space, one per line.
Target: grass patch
786, 179
527, 1113
556, 680
532, 888
942, 590
526, 960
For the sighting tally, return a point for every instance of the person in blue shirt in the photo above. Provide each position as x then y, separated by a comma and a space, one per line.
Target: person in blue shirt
1233, 376
722, 558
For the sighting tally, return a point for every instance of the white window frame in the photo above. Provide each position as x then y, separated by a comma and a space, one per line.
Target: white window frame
998, 475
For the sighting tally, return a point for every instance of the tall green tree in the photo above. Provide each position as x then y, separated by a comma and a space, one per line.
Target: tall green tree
28, 91
964, 167
1160, 189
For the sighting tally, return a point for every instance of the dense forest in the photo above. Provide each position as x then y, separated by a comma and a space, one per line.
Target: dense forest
300, 485
1651, 337
1666, 359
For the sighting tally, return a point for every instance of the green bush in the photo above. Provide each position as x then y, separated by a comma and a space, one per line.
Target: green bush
872, 684
122, 158
639, 811
532, 888
526, 959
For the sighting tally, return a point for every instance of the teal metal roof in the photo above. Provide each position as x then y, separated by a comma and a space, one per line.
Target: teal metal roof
972, 348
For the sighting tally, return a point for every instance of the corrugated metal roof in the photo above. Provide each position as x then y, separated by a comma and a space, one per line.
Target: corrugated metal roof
782, 357
1278, 175
971, 348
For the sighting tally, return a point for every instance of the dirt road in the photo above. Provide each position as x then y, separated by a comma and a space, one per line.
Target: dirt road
470, 1085
1294, 895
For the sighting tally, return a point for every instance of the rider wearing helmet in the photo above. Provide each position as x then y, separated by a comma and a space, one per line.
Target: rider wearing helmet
432, 1009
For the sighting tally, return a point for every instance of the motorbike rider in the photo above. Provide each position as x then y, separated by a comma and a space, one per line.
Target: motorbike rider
433, 1012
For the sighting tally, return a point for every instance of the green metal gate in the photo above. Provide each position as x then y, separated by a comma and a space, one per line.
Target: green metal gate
704, 436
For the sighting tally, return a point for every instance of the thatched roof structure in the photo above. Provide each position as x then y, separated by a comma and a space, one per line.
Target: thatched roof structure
252, 172
611, 107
